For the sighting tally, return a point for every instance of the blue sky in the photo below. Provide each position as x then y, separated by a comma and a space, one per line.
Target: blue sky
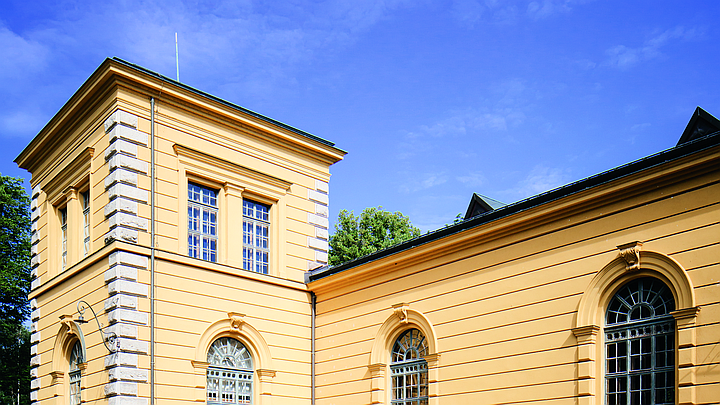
433, 100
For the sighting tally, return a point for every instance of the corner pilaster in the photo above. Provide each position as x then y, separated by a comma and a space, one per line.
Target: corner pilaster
121, 306
122, 182
34, 283
319, 241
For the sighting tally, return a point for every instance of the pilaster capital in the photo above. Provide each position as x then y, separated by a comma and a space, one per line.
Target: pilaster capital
265, 374
586, 334
377, 369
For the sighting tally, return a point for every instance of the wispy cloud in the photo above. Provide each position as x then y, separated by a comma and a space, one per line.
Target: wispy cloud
473, 179
259, 47
640, 127
541, 178
624, 57
472, 12
21, 56
504, 109
422, 181
468, 12
470, 125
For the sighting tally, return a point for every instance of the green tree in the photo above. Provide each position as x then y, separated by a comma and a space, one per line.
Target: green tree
374, 229
14, 364
14, 288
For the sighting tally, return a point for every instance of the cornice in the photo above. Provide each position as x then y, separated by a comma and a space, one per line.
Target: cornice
214, 161
91, 91
112, 73
191, 99
70, 175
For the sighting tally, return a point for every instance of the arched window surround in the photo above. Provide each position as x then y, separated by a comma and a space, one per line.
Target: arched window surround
402, 319
633, 263
236, 326
68, 335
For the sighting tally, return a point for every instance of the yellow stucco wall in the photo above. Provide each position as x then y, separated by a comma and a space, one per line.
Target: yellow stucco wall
503, 299
100, 141
512, 308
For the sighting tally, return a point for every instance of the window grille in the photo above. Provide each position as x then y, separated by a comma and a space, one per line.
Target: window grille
230, 375
86, 222
63, 238
640, 345
255, 236
202, 222
74, 374
408, 369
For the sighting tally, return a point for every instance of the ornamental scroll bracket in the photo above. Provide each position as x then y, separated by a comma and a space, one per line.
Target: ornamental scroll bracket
401, 311
630, 253
236, 320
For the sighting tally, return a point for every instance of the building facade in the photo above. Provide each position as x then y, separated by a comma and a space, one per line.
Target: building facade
195, 231
238, 214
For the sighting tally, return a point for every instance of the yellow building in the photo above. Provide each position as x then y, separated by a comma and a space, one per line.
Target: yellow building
197, 231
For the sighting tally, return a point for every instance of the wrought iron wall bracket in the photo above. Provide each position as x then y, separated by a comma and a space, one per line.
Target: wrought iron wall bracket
110, 339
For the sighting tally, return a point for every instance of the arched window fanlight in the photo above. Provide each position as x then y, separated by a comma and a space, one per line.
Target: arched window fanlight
640, 345
409, 369
230, 373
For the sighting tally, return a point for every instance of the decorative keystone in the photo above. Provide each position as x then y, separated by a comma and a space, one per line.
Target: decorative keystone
630, 252
236, 320
401, 311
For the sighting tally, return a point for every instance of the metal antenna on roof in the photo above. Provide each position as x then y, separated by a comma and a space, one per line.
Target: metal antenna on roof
177, 60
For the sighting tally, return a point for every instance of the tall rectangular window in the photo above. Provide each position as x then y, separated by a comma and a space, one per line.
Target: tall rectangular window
202, 222
85, 197
63, 238
255, 236
76, 358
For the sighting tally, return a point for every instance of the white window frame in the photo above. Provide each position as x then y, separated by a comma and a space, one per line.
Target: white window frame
203, 222
85, 201
639, 349
63, 217
230, 373
256, 236
75, 374
409, 369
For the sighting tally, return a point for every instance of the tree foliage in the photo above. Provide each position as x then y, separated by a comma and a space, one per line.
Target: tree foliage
374, 229
14, 288
14, 364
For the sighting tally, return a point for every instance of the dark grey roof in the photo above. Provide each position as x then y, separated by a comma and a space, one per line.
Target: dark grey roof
702, 123
480, 204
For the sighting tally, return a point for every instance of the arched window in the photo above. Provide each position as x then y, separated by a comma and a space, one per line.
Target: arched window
409, 369
230, 373
640, 345
74, 373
